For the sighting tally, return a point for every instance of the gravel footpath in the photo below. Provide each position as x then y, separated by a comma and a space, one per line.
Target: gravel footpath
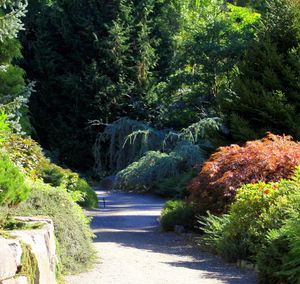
132, 249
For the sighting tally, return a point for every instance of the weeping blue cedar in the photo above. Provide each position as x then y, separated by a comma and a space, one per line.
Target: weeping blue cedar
141, 154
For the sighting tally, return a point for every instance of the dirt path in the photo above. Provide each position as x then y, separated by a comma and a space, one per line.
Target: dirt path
132, 250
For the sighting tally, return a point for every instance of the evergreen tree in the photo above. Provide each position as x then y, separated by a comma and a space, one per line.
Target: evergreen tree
11, 13
13, 92
91, 61
265, 96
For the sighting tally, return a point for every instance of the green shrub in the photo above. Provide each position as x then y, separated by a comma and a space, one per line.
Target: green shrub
25, 153
258, 209
4, 127
12, 184
177, 212
126, 141
142, 174
72, 229
51, 173
155, 166
174, 187
90, 198
58, 176
212, 227
279, 260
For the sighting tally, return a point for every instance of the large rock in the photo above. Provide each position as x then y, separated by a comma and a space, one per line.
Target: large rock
8, 263
17, 280
42, 244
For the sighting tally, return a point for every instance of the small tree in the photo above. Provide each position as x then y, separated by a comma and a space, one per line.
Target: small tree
269, 159
12, 187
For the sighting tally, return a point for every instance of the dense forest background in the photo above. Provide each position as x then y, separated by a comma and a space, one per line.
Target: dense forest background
168, 63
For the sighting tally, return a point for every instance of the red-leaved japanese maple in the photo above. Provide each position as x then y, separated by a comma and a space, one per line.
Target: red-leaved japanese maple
270, 159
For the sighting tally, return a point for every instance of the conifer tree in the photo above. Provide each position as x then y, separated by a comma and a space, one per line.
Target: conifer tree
11, 76
265, 96
13, 92
91, 61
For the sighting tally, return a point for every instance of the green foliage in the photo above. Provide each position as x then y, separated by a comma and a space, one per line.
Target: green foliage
112, 46
155, 165
29, 264
57, 176
12, 184
265, 98
279, 260
212, 227
10, 18
125, 141
257, 211
71, 227
141, 175
174, 187
209, 43
24, 152
177, 212
13, 93
4, 127
90, 198
16, 107
116, 147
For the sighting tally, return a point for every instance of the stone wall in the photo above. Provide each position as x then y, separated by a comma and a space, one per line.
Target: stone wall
40, 242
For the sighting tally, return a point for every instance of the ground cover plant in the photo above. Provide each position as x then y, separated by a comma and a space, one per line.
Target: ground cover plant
174, 187
58, 176
177, 212
71, 227
270, 159
12, 182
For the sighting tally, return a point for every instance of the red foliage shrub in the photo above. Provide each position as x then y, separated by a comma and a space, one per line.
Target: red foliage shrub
270, 159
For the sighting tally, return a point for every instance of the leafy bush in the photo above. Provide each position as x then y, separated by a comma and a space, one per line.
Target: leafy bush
155, 165
258, 209
4, 127
174, 187
24, 152
72, 229
279, 260
90, 198
177, 212
269, 159
140, 175
58, 176
126, 141
12, 184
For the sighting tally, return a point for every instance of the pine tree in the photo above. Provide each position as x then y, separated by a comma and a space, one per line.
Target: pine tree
11, 13
265, 96
13, 92
91, 61
11, 76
